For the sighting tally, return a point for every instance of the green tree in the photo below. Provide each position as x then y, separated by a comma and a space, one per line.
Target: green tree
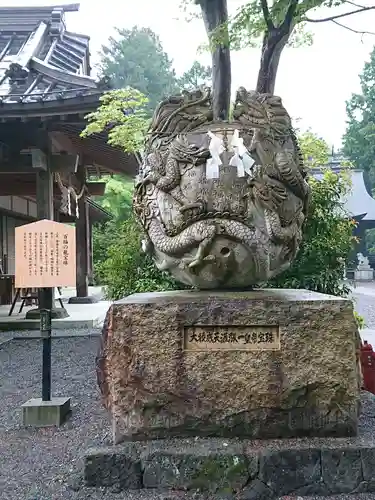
328, 230
121, 114
315, 150
118, 196
117, 200
195, 76
359, 138
136, 59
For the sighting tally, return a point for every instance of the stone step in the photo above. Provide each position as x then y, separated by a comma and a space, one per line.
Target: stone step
170, 495
259, 470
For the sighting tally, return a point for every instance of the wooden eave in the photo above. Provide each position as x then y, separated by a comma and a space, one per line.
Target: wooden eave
95, 149
80, 102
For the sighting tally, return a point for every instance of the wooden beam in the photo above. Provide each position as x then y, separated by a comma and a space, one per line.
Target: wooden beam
32, 158
14, 168
11, 185
96, 151
32, 46
64, 162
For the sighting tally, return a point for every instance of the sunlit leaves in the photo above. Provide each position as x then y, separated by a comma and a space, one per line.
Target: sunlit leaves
314, 149
121, 115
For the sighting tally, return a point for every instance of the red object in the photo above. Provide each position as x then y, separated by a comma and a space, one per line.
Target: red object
366, 346
368, 367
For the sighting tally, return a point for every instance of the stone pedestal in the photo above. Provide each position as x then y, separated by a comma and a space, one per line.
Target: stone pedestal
364, 274
89, 299
56, 313
259, 364
38, 413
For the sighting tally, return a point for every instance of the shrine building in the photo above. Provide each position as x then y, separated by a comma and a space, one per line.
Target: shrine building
47, 171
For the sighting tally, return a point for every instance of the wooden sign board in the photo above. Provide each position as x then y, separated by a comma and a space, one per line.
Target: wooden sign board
45, 255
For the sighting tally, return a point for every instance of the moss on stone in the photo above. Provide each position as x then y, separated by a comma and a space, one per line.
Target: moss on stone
223, 474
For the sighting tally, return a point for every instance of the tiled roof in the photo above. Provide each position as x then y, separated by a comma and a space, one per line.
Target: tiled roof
40, 60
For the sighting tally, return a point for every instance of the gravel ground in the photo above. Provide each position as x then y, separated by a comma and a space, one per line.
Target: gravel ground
43, 464
35, 464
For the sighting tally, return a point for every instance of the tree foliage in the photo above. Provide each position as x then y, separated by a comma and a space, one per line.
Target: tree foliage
315, 150
136, 59
276, 24
359, 138
121, 114
117, 198
195, 76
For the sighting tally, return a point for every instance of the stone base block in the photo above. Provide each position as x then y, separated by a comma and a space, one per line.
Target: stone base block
38, 413
83, 300
240, 470
258, 364
364, 274
57, 313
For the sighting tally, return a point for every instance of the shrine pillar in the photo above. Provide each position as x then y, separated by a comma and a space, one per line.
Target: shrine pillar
83, 238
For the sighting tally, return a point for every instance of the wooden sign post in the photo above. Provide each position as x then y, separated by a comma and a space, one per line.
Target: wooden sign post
45, 258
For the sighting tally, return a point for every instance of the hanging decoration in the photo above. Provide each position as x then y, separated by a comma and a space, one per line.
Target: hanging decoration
67, 192
241, 159
213, 163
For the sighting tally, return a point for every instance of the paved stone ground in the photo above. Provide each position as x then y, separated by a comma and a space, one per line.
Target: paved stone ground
364, 303
42, 464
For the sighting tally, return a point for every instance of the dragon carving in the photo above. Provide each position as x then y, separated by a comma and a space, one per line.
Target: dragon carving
233, 230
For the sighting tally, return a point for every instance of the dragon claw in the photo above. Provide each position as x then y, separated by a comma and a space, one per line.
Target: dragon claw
194, 262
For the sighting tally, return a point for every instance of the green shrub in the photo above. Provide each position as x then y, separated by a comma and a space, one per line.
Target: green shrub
126, 269
360, 320
327, 240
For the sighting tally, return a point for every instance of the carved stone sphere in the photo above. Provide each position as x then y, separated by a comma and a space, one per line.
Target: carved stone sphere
222, 204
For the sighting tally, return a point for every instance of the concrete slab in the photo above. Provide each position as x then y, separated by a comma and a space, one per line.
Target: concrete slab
80, 316
364, 289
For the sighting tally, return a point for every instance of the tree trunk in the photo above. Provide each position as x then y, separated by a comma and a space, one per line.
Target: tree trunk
215, 14
273, 45
274, 40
